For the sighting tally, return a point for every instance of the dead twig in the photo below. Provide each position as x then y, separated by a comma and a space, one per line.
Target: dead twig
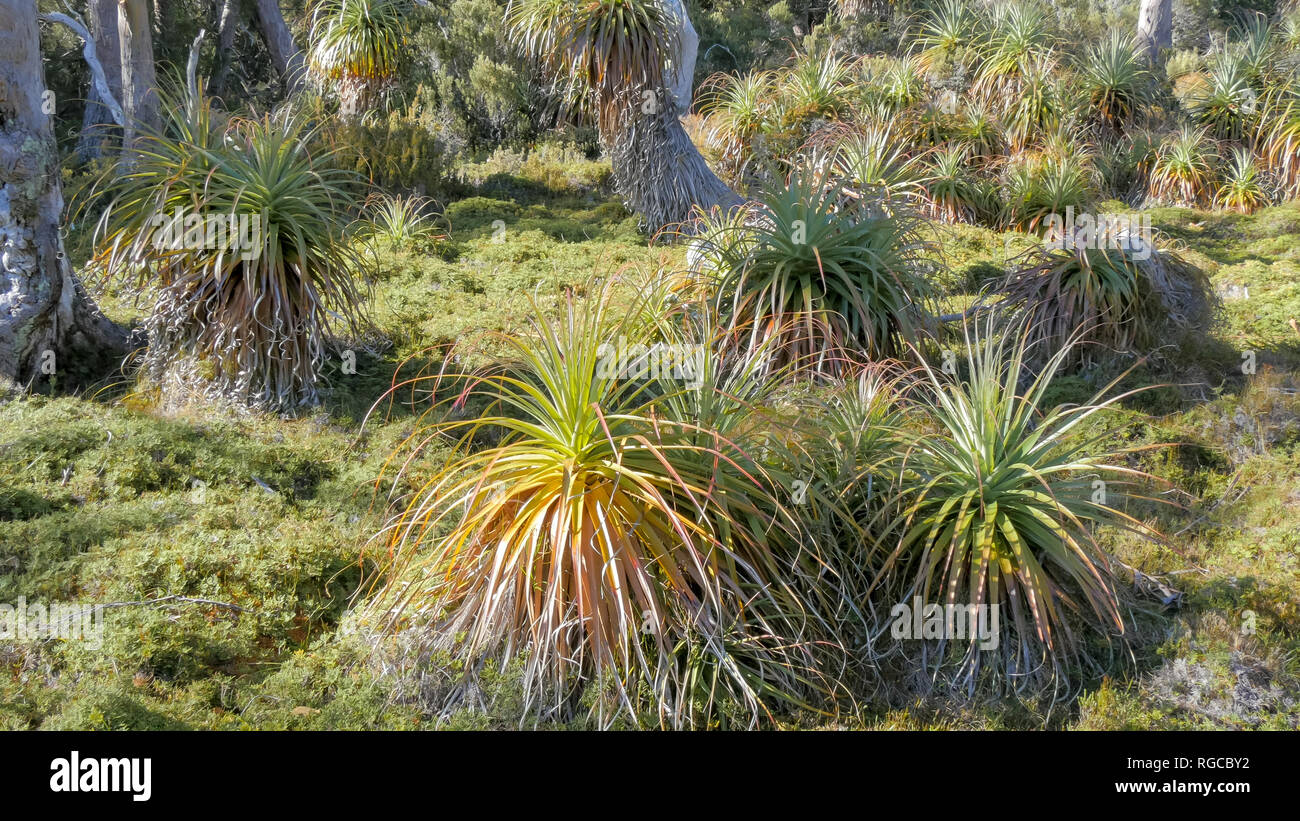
174, 598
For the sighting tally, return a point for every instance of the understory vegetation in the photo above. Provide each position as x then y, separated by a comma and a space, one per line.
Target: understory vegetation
462, 442
105, 499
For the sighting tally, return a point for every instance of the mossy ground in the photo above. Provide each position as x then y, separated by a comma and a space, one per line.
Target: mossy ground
106, 498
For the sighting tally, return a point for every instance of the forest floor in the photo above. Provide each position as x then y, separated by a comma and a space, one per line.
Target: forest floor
260, 524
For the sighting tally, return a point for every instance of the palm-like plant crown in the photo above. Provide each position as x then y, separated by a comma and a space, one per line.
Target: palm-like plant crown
358, 44
609, 47
235, 230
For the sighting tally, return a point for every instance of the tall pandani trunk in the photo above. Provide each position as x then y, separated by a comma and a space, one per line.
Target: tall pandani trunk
354, 97
657, 169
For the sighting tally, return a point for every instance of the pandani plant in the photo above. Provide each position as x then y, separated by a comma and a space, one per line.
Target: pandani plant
235, 232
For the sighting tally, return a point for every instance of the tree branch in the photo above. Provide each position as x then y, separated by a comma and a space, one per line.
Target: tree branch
962, 316
192, 66
91, 54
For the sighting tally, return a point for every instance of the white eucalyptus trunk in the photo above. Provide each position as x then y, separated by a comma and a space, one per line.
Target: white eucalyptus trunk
139, 79
99, 122
48, 326
1155, 28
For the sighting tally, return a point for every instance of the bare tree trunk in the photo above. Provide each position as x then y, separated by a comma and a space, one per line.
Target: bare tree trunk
192, 65
48, 326
1155, 28
680, 76
97, 124
139, 81
284, 52
227, 27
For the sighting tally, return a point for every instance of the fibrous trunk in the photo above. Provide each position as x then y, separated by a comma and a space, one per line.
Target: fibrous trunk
657, 168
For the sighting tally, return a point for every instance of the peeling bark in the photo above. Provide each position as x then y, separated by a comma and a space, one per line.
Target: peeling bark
680, 75
47, 322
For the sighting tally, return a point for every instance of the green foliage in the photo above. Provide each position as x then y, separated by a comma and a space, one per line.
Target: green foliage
746, 35
738, 112
397, 223
138, 508
953, 192
1000, 506
358, 45
234, 230
400, 150
1112, 290
595, 53
551, 169
1040, 186
874, 165
950, 32
1116, 81
1019, 35
99, 496
1226, 102
657, 539
1183, 172
1242, 189
487, 94
828, 275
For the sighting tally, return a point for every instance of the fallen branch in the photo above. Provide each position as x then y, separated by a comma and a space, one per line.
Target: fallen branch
1153, 587
93, 608
964, 315
175, 598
